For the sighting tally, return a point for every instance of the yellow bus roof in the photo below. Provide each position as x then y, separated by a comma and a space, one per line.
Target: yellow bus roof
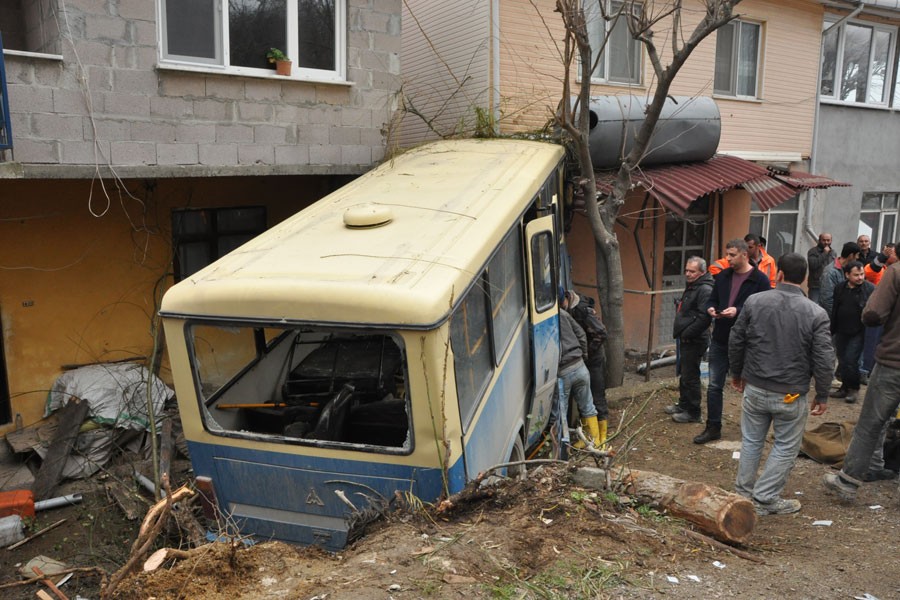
451, 204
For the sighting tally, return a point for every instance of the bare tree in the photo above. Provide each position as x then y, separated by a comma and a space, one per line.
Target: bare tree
642, 19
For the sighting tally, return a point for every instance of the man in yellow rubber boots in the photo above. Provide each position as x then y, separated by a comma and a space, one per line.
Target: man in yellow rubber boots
574, 377
582, 309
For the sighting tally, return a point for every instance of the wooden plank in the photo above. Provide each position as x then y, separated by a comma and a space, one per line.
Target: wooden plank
131, 504
34, 436
71, 416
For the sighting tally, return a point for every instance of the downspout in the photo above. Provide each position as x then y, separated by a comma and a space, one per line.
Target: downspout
495, 64
807, 213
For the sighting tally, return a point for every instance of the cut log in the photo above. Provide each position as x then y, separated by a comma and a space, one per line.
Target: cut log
723, 515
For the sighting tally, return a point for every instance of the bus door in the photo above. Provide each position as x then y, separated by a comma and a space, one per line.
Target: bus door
540, 245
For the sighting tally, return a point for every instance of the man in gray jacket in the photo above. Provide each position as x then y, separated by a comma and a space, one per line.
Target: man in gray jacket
574, 377
778, 342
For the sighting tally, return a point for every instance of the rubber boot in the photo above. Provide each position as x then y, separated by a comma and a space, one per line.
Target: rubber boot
601, 441
592, 428
711, 433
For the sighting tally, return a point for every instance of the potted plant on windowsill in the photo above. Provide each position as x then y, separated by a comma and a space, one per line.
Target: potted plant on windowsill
282, 62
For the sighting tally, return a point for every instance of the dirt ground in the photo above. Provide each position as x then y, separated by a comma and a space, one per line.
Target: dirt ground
538, 538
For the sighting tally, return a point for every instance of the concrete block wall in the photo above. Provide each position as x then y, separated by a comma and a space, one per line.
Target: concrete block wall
107, 101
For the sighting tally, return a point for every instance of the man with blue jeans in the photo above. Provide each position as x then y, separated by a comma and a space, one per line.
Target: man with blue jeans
574, 377
778, 341
883, 393
731, 289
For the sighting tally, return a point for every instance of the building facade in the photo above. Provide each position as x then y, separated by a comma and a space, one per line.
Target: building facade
504, 76
149, 137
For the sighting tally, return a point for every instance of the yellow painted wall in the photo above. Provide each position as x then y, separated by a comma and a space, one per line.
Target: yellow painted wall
79, 271
735, 224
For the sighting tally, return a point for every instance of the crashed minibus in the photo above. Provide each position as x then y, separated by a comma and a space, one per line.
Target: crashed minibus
399, 335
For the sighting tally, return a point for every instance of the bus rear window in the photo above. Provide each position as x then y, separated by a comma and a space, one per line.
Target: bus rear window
302, 386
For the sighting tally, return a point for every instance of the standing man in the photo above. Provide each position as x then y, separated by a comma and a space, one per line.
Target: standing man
759, 258
834, 274
818, 257
883, 393
850, 296
574, 378
778, 342
731, 289
866, 254
691, 329
582, 309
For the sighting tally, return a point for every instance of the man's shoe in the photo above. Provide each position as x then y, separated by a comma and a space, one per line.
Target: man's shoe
780, 506
673, 409
711, 433
864, 379
838, 393
851, 397
844, 489
685, 417
879, 475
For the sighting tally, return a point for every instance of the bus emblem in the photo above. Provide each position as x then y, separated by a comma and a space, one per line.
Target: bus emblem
313, 498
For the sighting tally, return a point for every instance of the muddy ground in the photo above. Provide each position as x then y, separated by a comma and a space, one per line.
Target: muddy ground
539, 538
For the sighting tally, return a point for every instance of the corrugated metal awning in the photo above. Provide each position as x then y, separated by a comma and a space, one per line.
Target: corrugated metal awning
675, 187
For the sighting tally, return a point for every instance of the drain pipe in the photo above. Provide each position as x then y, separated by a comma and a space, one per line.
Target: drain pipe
807, 213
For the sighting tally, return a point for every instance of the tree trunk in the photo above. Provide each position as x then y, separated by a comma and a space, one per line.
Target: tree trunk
725, 516
610, 283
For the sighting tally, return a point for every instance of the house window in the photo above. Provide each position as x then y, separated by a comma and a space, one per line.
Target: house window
737, 59
201, 236
237, 35
857, 59
878, 217
620, 54
778, 225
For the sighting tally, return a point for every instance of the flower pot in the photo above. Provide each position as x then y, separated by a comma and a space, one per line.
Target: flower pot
283, 67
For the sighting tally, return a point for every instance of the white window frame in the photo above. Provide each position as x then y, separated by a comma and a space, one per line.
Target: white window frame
835, 96
889, 202
735, 60
220, 63
789, 207
595, 20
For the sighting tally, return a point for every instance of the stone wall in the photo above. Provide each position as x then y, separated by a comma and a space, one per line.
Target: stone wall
108, 102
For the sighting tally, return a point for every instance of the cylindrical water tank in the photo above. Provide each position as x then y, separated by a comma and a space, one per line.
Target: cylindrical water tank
688, 130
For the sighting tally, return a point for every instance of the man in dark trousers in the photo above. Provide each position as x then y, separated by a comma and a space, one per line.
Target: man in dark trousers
850, 296
731, 289
691, 329
818, 257
778, 342
582, 309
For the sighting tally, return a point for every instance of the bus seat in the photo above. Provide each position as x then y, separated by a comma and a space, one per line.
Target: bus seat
332, 421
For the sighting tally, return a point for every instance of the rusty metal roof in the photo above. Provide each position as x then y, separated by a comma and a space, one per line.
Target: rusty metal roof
676, 186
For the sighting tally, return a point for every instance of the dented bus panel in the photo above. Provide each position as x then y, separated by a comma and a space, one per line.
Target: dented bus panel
399, 336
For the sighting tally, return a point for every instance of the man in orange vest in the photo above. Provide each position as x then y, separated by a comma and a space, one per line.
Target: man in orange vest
758, 256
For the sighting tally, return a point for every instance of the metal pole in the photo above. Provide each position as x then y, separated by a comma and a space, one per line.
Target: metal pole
655, 259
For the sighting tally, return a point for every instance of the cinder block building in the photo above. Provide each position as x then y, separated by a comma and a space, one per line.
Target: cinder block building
142, 139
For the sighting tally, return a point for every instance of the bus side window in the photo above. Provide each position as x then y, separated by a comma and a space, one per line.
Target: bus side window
505, 273
470, 340
542, 270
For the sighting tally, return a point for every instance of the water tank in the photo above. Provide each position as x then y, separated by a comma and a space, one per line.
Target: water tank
688, 130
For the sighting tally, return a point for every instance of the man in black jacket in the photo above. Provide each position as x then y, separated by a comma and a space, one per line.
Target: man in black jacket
850, 296
691, 329
582, 309
818, 257
731, 289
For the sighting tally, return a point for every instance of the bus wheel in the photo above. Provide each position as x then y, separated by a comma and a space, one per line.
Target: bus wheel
517, 455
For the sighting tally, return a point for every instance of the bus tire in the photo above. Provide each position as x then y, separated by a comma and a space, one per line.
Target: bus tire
517, 454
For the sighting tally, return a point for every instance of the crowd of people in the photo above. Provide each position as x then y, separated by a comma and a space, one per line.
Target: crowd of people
774, 340
775, 327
